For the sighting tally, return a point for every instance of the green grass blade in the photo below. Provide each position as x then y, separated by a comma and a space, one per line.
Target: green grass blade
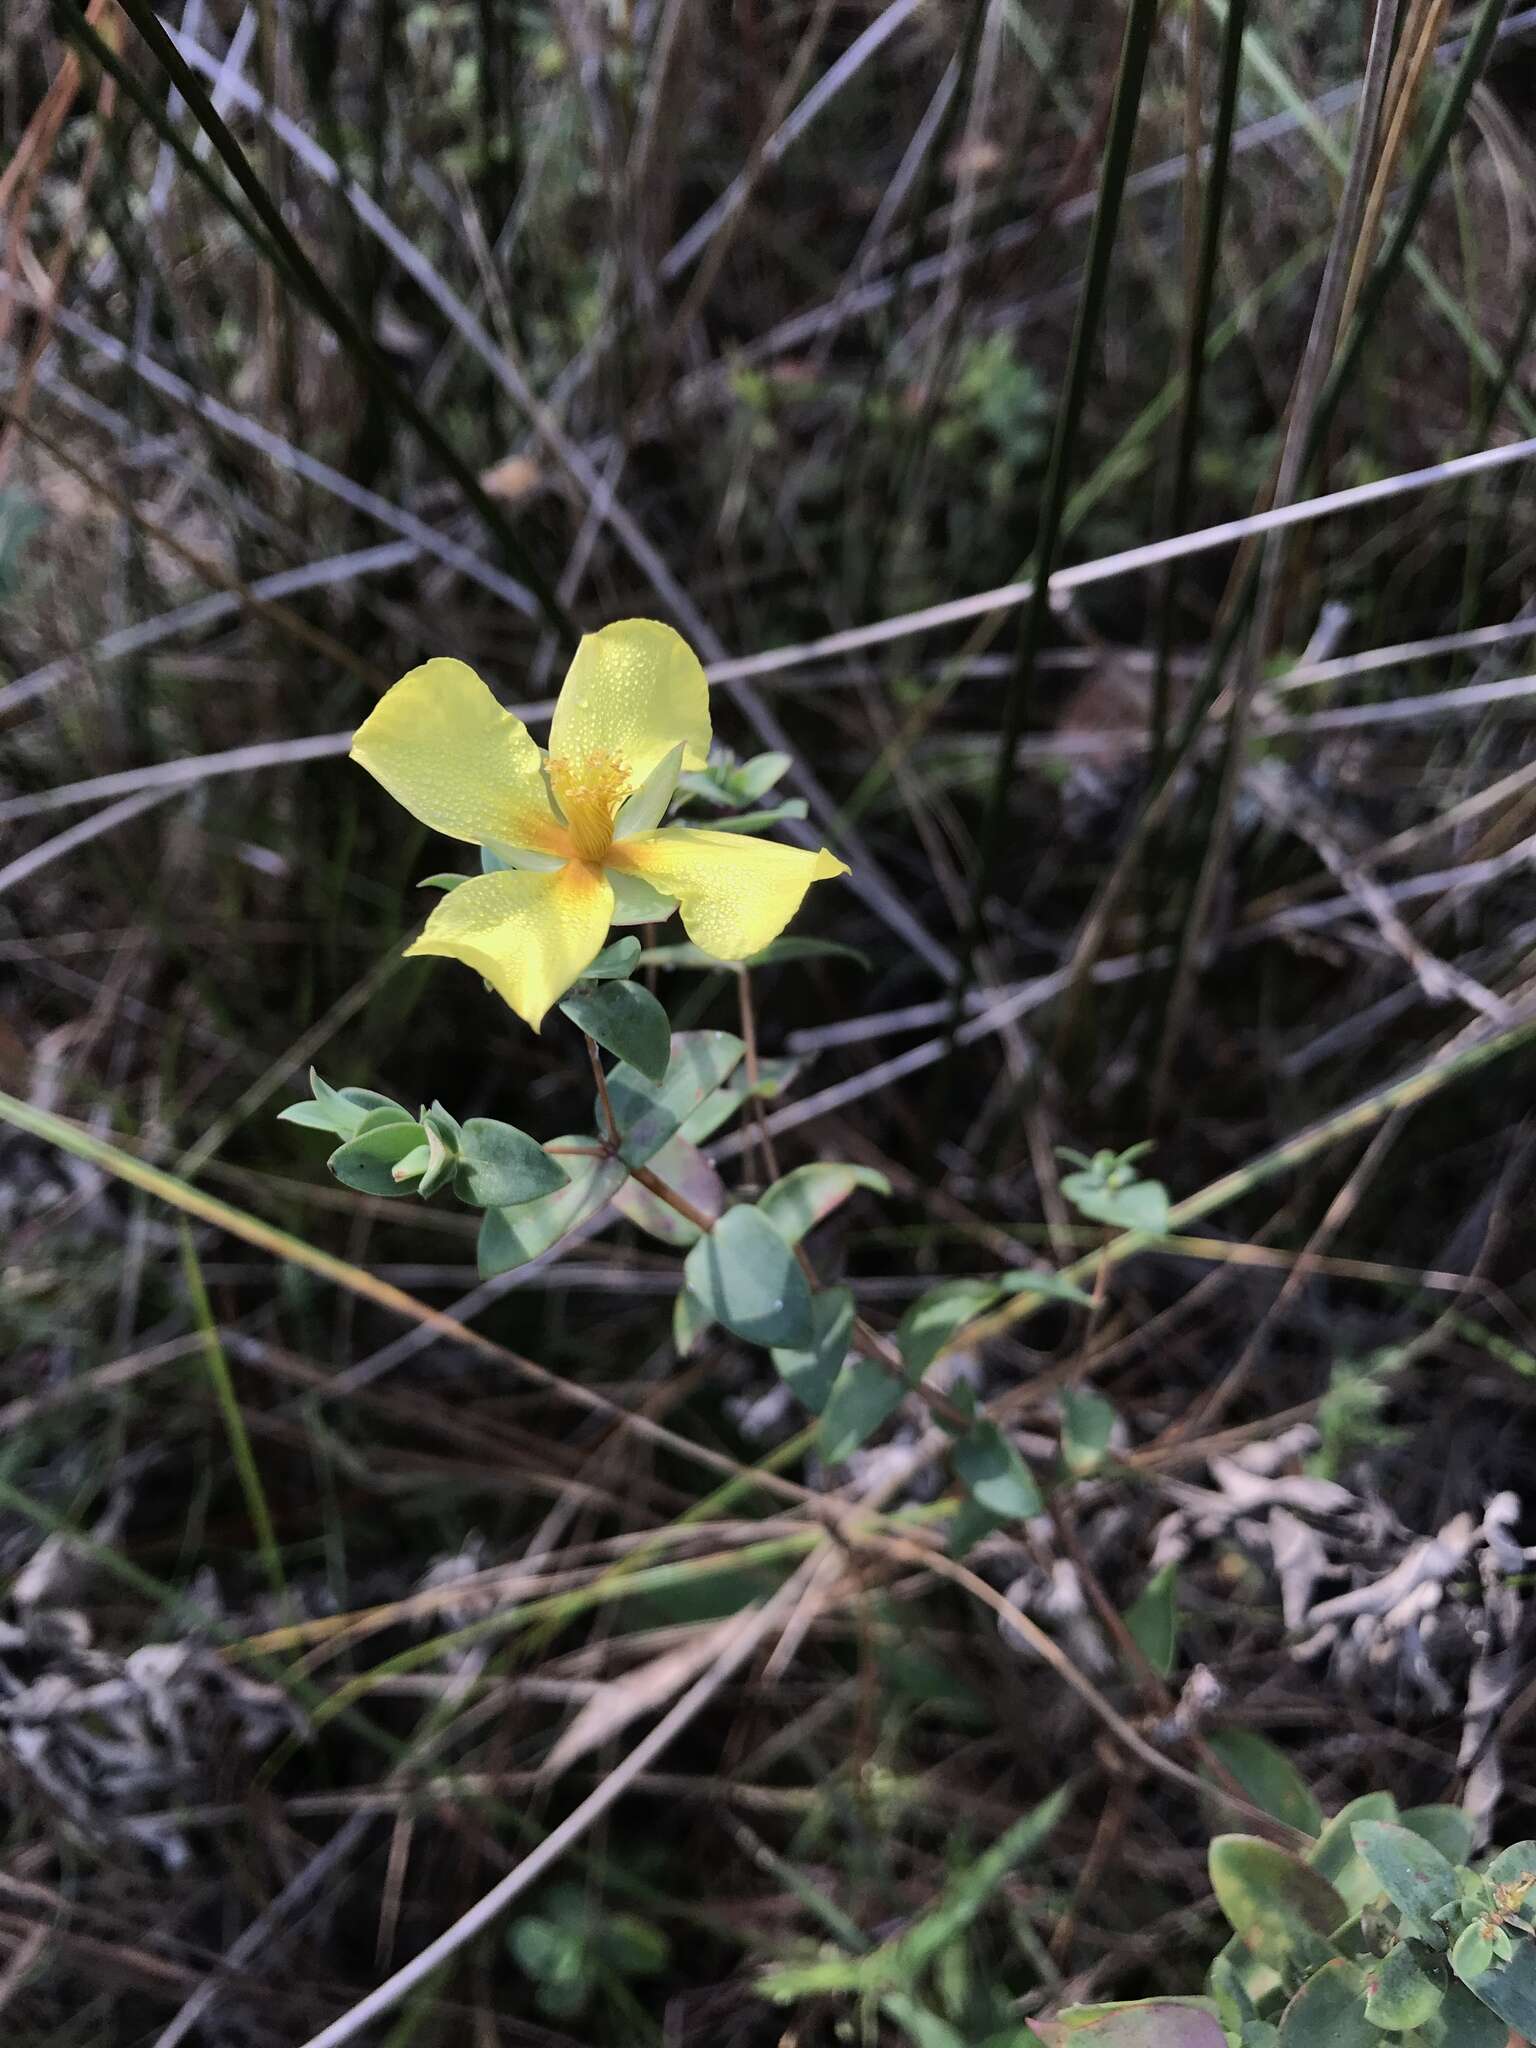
1141, 22
277, 245
234, 1422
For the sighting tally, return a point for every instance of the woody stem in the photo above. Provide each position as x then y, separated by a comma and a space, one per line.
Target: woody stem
866, 1340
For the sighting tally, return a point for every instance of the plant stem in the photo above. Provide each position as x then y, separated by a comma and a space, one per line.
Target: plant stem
1141, 22
748, 1015
609, 1119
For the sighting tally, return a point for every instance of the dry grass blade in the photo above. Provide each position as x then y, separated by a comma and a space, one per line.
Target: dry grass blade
747, 1631
641, 1691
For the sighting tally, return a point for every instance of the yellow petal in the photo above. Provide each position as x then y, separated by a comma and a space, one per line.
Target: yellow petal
442, 746
736, 893
634, 690
529, 934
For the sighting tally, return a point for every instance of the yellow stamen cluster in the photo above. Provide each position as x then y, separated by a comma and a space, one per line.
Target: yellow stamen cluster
589, 791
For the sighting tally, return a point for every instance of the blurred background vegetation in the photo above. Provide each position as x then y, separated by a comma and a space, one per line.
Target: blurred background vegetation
335, 334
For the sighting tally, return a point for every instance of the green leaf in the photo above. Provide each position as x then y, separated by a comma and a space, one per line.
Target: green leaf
756, 821
994, 1474
635, 901
1398, 1994
1051, 1286
1329, 2011
932, 1321
648, 1114
443, 881
1412, 1872
864, 1394
310, 1116
382, 1118
773, 1077
690, 1319
1139, 1205
1511, 1866
366, 1163
547, 1951
969, 1524
1278, 1906
1472, 1955
501, 1166
443, 1138
1269, 1778
1464, 2021
1335, 1854
627, 1021
974, 1884
683, 954
340, 1110
1087, 1423
632, 1946
810, 1373
495, 860
688, 1173
751, 780
511, 1237
717, 1108
1139, 2023
1153, 1619
922, 2028
413, 1166
778, 952
615, 962
643, 809
802, 1199
750, 1280
1447, 1828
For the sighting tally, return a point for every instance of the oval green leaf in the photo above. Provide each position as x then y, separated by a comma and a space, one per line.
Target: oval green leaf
749, 1279
627, 1021
501, 1166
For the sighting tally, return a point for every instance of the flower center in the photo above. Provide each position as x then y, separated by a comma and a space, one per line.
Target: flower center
589, 791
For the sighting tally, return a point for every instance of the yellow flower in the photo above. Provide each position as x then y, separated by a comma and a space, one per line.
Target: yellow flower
579, 826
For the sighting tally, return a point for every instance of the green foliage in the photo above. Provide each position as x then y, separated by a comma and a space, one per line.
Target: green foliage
627, 1021
809, 1194
682, 954
511, 1237
338, 1110
1306, 1969
993, 1473
727, 784
1280, 1908
648, 1113
1268, 1777
1349, 1414
899, 1965
811, 1372
936, 1318
686, 1172
372, 1162
1087, 1423
1144, 2023
1411, 1871
749, 1279
1153, 1619
1108, 1189
574, 1951
1400, 1994
501, 1167
864, 1395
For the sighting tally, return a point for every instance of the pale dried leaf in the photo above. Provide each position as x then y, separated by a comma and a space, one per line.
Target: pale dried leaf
613, 1706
